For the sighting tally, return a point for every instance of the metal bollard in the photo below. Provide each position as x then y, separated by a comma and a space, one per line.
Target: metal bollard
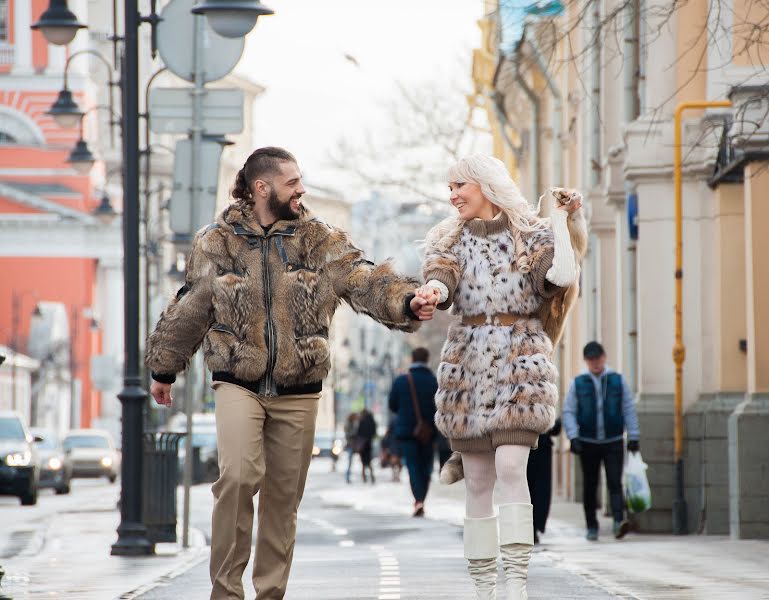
161, 474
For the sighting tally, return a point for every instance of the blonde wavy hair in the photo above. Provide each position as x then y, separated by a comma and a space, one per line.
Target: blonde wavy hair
498, 188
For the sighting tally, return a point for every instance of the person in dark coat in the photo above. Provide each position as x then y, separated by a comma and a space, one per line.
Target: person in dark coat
391, 451
419, 457
539, 473
365, 440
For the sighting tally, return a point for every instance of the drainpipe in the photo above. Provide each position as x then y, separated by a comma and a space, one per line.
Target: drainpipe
631, 76
641, 56
679, 350
557, 113
534, 135
595, 153
595, 96
504, 123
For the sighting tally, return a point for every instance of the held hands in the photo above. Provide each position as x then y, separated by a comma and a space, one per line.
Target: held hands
423, 304
161, 392
568, 200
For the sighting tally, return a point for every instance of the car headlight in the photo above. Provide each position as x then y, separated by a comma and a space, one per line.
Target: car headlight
315, 451
19, 459
336, 450
54, 464
106, 461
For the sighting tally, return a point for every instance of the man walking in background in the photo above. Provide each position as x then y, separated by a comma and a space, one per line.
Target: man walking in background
599, 408
412, 398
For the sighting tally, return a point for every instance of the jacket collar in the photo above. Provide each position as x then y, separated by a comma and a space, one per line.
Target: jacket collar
239, 216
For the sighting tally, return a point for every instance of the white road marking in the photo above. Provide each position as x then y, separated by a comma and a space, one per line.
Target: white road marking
389, 574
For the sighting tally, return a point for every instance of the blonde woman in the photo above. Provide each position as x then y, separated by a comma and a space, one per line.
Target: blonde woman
511, 276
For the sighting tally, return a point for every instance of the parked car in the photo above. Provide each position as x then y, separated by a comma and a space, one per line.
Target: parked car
328, 444
19, 460
92, 453
205, 467
55, 464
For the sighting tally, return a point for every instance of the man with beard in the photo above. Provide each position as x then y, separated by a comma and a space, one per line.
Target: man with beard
261, 288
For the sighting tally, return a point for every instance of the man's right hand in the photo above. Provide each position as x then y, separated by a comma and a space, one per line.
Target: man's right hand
161, 392
576, 446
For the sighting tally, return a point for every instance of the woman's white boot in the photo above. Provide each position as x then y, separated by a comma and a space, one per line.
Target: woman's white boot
516, 540
481, 550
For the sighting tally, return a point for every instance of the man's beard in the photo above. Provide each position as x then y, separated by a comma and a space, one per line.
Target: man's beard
282, 210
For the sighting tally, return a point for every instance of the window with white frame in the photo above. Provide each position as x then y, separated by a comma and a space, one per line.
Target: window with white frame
3, 21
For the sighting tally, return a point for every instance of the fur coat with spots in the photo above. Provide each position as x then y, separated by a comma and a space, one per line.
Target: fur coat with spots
497, 384
261, 302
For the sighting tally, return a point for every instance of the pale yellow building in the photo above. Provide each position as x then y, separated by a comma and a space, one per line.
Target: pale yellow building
587, 99
334, 209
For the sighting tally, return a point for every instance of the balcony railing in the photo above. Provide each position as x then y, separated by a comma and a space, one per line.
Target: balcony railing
6, 54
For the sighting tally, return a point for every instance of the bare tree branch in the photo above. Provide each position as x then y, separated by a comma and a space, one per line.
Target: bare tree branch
431, 128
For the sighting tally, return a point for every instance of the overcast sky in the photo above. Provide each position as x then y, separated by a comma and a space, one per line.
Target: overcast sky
315, 94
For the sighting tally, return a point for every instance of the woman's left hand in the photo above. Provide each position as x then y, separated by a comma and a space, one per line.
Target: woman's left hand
568, 200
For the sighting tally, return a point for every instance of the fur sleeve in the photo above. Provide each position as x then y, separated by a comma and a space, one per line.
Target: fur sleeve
540, 247
375, 290
440, 262
184, 322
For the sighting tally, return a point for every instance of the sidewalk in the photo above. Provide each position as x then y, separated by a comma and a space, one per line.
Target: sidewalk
67, 555
647, 567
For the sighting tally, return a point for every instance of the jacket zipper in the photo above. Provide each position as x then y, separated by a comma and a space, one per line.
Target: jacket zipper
269, 384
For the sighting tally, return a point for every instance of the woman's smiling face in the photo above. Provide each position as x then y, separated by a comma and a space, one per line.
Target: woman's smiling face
468, 199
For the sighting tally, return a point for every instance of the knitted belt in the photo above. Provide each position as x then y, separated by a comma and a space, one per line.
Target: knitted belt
503, 319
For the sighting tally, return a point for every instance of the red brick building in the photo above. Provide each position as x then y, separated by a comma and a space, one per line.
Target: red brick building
53, 251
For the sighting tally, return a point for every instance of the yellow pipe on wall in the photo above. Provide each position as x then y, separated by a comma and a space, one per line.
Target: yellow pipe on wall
679, 350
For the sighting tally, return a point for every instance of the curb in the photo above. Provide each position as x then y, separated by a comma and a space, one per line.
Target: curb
197, 553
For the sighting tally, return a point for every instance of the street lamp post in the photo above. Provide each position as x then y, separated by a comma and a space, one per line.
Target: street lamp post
132, 534
65, 110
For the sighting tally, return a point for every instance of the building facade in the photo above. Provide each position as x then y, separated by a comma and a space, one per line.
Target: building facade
61, 266
587, 98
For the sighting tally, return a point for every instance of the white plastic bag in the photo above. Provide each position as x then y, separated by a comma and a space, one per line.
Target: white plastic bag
638, 495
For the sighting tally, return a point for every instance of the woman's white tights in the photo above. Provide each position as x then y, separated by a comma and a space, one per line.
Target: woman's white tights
482, 469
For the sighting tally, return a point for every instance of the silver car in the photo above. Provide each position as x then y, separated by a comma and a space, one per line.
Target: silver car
92, 453
55, 464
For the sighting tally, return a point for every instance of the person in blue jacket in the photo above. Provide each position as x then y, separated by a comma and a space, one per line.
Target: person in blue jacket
598, 410
419, 457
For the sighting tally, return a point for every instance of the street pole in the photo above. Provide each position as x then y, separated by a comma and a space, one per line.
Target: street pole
189, 392
197, 137
72, 369
132, 535
15, 344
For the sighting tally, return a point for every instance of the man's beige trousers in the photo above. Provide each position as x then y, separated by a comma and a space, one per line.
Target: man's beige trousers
265, 445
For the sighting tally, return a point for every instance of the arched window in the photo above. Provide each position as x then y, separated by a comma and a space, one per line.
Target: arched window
18, 128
